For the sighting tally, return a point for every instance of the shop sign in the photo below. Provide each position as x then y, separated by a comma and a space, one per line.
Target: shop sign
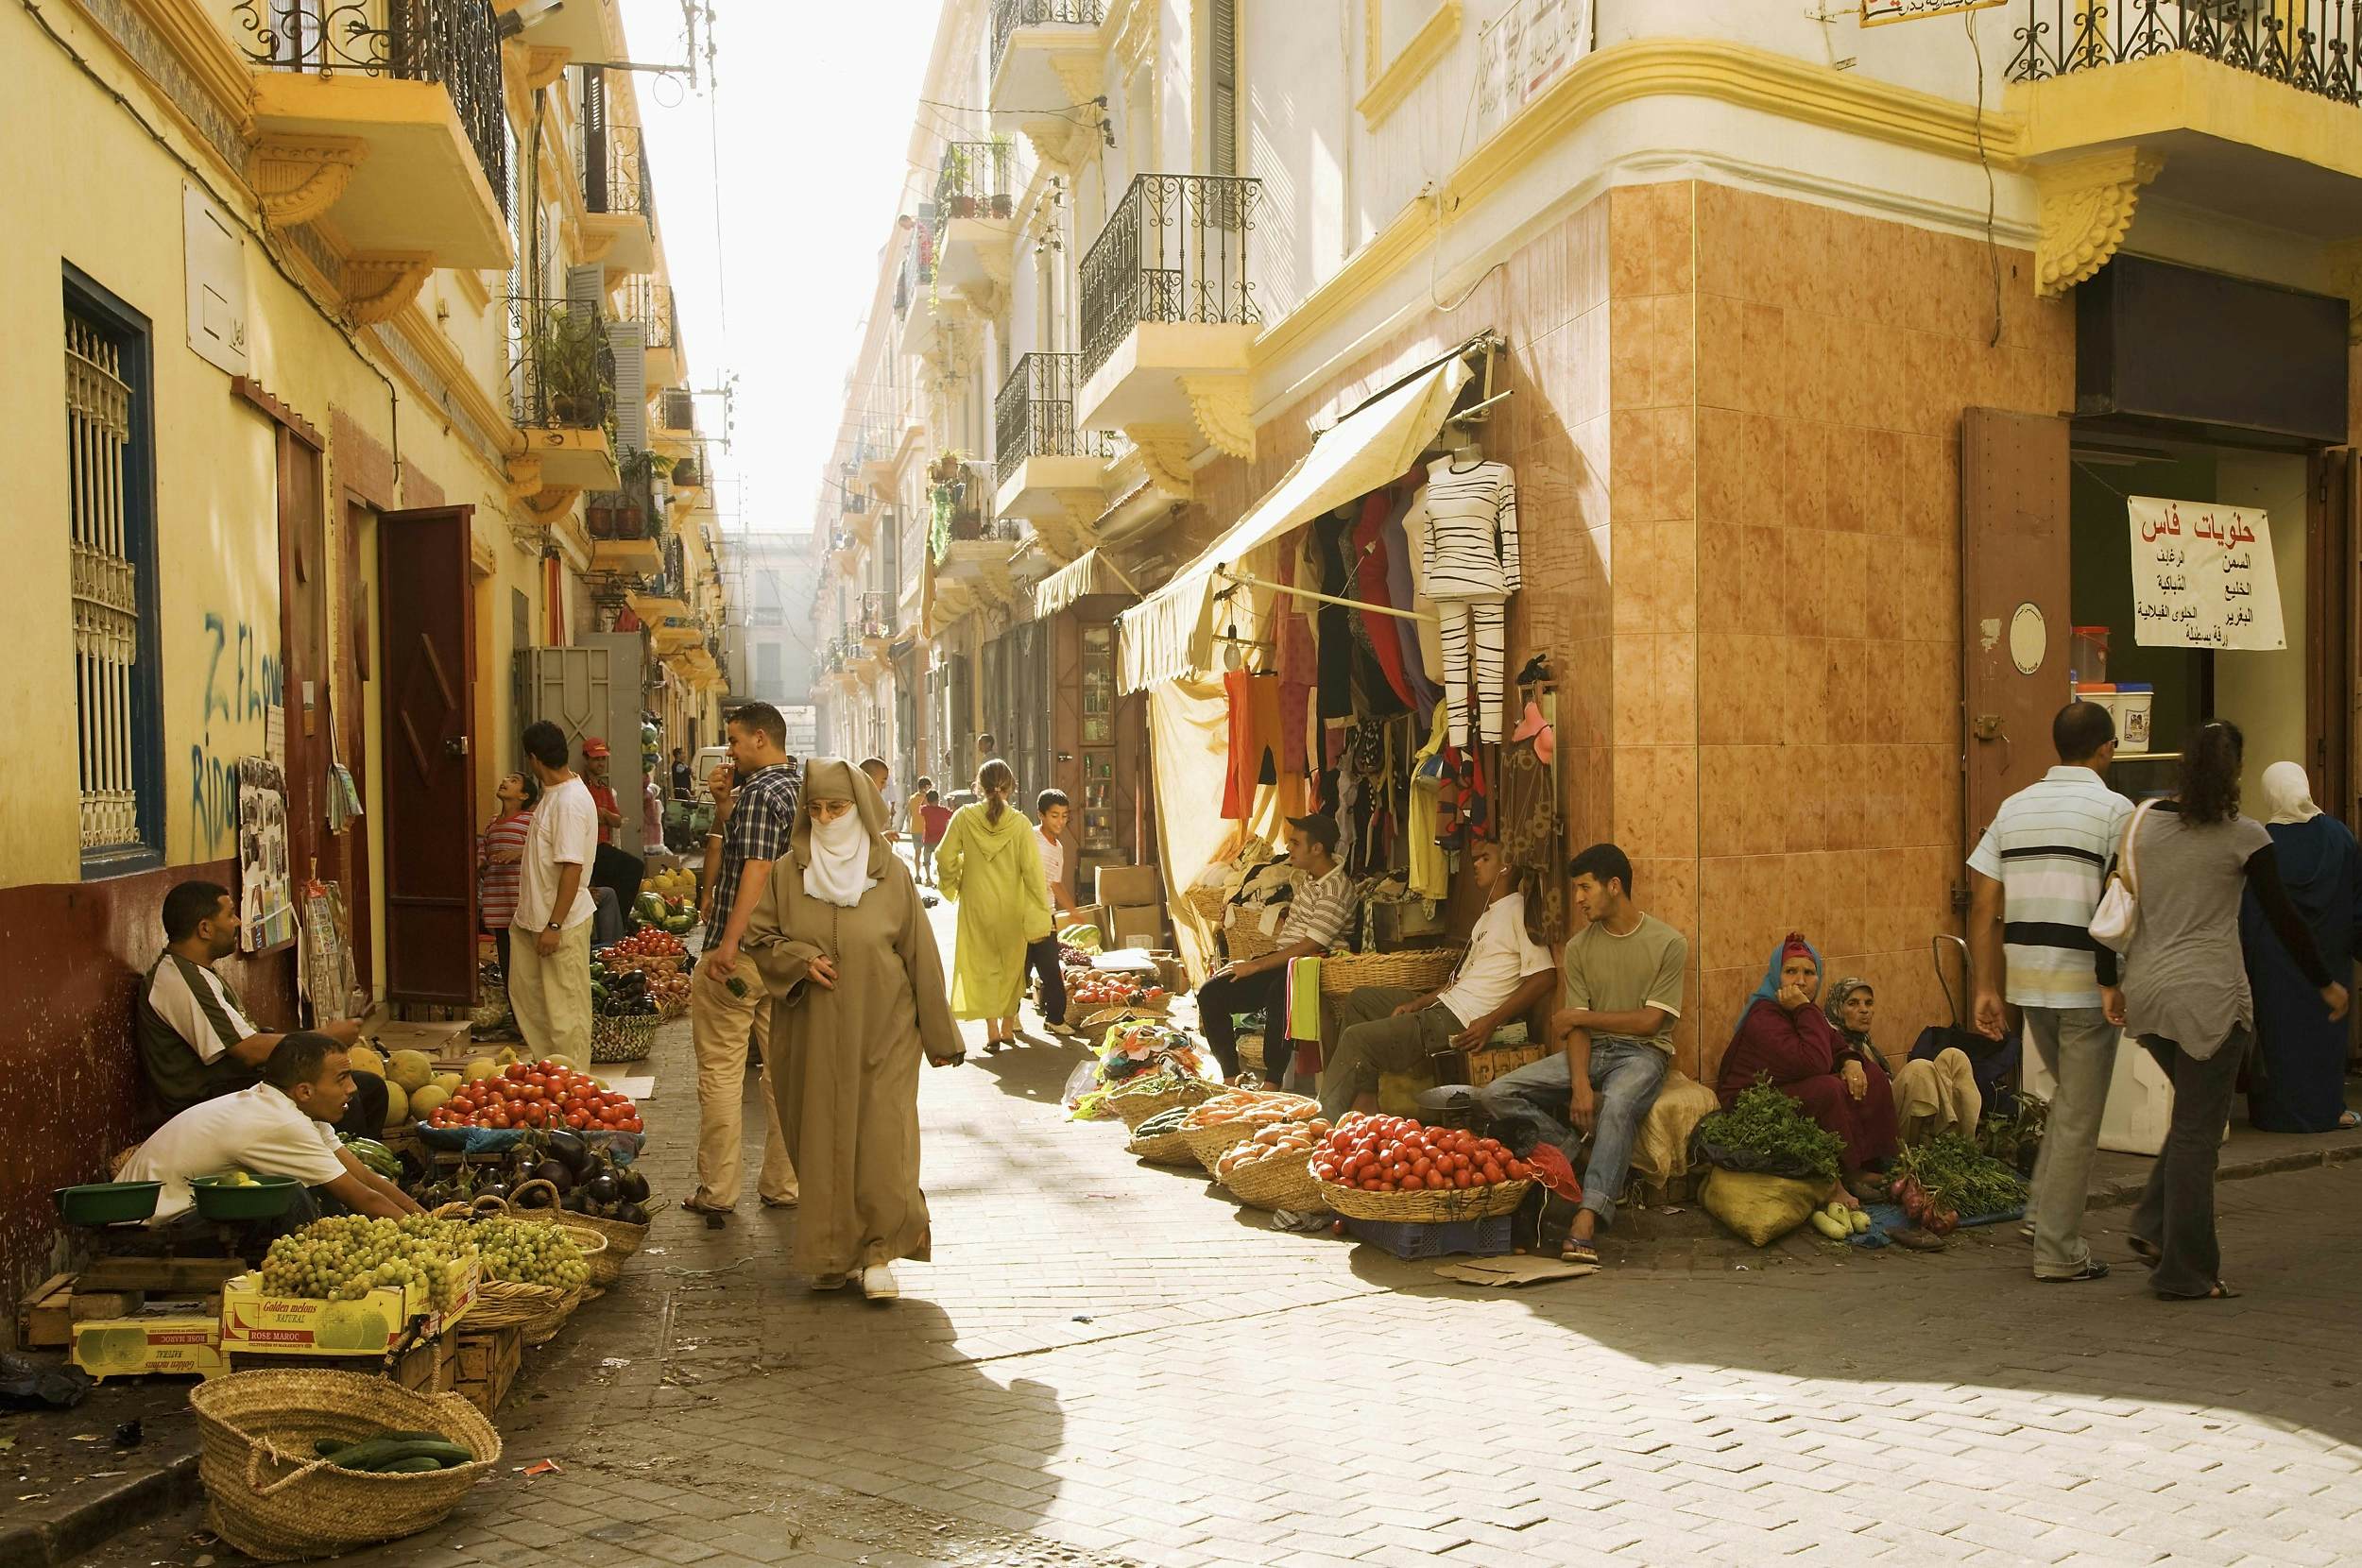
2203, 576
1874, 12
1530, 46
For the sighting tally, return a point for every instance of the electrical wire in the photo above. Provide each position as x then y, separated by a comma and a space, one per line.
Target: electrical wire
1992, 244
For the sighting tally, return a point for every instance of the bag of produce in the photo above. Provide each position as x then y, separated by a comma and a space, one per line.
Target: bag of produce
1759, 1207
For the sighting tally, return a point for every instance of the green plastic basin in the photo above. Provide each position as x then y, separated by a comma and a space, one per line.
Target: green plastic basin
107, 1203
259, 1198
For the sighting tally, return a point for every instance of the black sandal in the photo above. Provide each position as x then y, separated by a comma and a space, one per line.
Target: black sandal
2149, 1253
2221, 1292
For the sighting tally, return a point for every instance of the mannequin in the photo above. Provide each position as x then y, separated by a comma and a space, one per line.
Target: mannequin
1470, 567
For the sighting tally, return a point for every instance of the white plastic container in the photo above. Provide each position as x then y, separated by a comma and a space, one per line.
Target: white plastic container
2131, 710
2140, 1099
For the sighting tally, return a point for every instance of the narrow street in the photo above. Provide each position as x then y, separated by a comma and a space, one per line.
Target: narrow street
1106, 1365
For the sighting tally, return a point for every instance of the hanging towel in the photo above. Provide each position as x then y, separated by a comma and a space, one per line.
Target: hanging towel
1304, 1014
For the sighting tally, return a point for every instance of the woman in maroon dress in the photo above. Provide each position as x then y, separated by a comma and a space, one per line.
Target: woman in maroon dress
1784, 1037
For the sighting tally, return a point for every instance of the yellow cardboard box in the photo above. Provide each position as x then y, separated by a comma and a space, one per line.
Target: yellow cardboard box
171, 1344
298, 1325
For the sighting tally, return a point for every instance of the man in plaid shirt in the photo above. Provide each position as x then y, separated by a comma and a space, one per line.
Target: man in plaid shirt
754, 809
1318, 910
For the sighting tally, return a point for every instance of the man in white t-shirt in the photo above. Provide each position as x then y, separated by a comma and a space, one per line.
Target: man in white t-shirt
549, 943
1051, 809
282, 1126
1386, 1029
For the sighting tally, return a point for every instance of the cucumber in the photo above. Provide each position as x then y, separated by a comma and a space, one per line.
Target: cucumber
1828, 1227
1861, 1221
377, 1453
420, 1466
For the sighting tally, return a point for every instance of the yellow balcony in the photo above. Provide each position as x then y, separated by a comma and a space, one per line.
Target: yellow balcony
632, 557
1047, 470
1044, 53
384, 129
572, 459
975, 224
618, 202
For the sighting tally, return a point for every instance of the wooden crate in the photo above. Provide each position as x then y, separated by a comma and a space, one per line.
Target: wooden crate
1480, 1067
115, 1288
486, 1365
430, 1367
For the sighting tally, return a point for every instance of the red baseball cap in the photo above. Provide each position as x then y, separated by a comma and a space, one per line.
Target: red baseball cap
593, 747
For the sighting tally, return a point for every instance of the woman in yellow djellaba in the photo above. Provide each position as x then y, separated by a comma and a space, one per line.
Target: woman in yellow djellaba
989, 864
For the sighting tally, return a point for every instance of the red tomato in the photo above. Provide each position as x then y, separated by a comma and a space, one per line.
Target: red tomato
516, 1072
631, 1123
576, 1120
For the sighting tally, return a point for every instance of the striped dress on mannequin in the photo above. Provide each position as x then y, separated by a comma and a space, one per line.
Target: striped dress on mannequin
1469, 568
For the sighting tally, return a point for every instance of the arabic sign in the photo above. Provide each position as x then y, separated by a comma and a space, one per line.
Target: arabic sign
1874, 12
1522, 53
2203, 576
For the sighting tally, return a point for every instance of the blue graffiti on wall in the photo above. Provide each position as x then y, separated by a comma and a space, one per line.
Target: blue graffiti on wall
238, 696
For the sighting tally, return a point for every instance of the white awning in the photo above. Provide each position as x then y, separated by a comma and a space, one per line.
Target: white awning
1170, 635
1087, 574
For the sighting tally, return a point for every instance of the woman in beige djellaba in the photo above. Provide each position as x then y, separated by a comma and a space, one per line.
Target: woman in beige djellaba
857, 997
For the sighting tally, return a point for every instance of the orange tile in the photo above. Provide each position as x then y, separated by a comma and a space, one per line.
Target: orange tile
1656, 801
1631, 240
1676, 341
1846, 582
1671, 228
1728, 795
1728, 242
1666, 887
1762, 610
1726, 482
1631, 352
1804, 575
1805, 500
1767, 379
1849, 691
1633, 461
1723, 586
1675, 490
1725, 688
1719, 353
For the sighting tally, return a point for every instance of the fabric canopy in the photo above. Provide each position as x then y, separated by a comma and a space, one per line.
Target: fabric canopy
1189, 748
1087, 574
1170, 635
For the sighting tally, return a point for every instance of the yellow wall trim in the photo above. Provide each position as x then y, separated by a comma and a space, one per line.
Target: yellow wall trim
2145, 98
1390, 81
190, 28
1733, 73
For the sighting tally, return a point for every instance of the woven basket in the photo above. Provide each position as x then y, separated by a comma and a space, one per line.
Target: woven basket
622, 1241
1137, 1107
1247, 941
275, 1500
541, 1310
624, 1039
1438, 1208
1276, 1182
1420, 969
1207, 902
1163, 1149
491, 1015
1207, 1143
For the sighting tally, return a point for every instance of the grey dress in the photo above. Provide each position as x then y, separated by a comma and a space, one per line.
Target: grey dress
2185, 973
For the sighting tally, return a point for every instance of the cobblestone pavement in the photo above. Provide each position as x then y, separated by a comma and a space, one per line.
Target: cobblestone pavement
1108, 1366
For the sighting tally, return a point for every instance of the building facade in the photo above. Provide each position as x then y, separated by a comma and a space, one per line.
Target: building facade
352, 385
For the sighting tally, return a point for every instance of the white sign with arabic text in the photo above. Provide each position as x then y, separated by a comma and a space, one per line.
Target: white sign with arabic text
2203, 576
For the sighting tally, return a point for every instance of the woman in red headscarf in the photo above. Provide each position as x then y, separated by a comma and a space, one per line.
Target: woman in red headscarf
1784, 1036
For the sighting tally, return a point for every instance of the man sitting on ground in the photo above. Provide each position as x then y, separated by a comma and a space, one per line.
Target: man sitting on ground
282, 1126
1386, 1029
195, 1039
1623, 995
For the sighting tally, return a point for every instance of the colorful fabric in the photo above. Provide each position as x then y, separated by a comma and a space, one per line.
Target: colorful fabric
1472, 532
1255, 740
1371, 574
1303, 999
1801, 1053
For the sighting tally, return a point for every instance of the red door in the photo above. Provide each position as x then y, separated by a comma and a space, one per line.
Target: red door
426, 683
2015, 553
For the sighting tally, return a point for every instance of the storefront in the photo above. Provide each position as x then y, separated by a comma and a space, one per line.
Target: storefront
1097, 736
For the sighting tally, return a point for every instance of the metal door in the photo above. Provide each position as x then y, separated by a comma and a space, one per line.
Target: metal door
2014, 565
426, 689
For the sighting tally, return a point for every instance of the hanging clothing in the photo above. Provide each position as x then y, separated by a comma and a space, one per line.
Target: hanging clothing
1255, 740
992, 871
1371, 572
1416, 525
1297, 663
844, 1059
2298, 1083
1469, 568
1429, 867
1802, 1053
1476, 661
1532, 834
1332, 623
1401, 592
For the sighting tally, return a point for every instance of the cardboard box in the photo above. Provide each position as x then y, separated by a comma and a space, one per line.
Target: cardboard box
178, 1341
296, 1325
1136, 925
1128, 885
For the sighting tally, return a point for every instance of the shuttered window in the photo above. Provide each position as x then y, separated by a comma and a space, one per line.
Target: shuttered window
1222, 88
110, 520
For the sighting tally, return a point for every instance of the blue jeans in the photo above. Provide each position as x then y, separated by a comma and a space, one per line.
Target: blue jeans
1534, 1103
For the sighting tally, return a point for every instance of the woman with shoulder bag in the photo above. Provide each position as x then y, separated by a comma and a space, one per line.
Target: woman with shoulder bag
2184, 993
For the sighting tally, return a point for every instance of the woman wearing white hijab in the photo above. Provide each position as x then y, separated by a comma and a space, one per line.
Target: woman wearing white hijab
858, 997
2297, 1082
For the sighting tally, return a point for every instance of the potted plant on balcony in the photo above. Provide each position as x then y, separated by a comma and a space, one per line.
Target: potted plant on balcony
999, 202
688, 474
566, 347
958, 197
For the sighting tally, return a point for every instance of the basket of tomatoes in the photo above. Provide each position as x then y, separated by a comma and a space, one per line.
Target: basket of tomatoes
528, 1095
1393, 1167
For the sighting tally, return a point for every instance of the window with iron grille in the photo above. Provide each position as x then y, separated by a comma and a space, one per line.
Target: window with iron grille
110, 518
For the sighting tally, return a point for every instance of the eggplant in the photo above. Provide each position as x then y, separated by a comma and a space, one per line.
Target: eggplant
570, 1147
632, 1214
555, 1173
494, 1190
534, 1198
603, 1189
575, 1203
633, 1186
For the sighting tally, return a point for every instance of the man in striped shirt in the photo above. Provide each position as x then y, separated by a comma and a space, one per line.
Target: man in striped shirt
2034, 881
1318, 908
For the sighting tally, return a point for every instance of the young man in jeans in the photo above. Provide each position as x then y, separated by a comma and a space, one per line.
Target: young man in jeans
1624, 972
2034, 881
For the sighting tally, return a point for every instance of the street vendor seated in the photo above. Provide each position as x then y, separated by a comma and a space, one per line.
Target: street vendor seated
1317, 912
282, 1126
195, 1039
1506, 973
1786, 1040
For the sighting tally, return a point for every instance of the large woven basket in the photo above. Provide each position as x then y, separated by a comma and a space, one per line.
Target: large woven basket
1438, 1207
1208, 903
1247, 941
1162, 1149
1276, 1182
622, 1039
1420, 969
1207, 1143
622, 1241
273, 1498
540, 1310
1137, 1107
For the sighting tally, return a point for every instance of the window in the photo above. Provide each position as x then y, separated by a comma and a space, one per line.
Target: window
768, 679
111, 512
1221, 88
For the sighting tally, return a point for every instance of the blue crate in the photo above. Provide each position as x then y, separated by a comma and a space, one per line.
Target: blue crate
1481, 1238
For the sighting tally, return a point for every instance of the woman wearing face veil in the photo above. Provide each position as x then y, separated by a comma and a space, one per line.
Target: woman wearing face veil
858, 997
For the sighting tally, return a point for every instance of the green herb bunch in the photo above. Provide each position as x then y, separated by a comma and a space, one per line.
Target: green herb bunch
1765, 1122
1953, 1173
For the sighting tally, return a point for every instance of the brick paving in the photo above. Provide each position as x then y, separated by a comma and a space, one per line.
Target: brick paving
1107, 1366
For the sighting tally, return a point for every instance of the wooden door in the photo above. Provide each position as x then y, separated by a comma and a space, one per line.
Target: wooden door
357, 661
2015, 619
306, 679
427, 689
2330, 675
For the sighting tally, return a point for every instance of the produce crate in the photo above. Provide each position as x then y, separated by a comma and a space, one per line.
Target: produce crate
486, 1366
430, 1367
115, 1288
1489, 1237
298, 1325
1479, 1068
177, 1340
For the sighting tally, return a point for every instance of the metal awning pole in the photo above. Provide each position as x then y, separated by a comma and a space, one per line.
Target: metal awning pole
1229, 576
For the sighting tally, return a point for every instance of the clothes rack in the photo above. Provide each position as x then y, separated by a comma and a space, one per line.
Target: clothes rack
1244, 580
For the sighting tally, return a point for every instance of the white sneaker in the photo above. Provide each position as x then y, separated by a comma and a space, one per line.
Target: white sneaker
877, 1282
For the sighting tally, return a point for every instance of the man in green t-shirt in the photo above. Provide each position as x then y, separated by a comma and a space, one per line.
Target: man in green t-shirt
1623, 993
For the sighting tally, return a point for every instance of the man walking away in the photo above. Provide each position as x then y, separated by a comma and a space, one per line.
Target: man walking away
1317, 912
934, 820
2034, 881
1050, 809
754, 807
1623, 995
549, 938
913, 821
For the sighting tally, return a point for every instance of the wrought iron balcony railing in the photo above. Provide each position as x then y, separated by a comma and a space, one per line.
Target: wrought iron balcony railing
2309, 44
562, 372
972, 182
615, 177
650, 303
877, 615
1009, 15
630, 512
959, 495
919, 270
1175, 249
1032, 415
454, 43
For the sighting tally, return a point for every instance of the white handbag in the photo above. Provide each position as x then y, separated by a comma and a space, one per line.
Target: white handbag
2119, 910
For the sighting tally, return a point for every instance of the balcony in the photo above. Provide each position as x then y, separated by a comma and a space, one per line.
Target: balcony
874, 450
675, 427
650, 303
383, 124
1048, 470
625, 525
1044, 52
975, 231
618, 195
2241, 109
914, 295
1168, 313
561, 374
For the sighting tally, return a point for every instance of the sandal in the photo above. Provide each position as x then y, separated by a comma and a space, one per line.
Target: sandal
2221, 1292
2094, 1269
1575, 1250
2149, 1253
